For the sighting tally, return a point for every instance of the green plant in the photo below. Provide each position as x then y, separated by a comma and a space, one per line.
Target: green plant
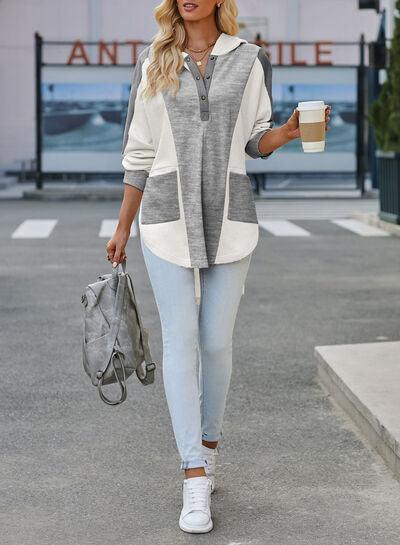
384, 113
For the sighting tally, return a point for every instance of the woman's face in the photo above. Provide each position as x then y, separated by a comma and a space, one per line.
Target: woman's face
198, 9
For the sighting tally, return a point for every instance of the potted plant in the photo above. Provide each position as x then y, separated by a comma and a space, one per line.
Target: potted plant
384, 117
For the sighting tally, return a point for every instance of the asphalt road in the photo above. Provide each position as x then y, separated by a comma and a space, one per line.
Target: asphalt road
293, 470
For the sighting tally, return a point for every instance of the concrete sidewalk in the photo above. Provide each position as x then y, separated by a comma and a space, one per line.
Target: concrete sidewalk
51, 191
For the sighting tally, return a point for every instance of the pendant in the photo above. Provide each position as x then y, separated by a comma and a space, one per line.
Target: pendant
198, 63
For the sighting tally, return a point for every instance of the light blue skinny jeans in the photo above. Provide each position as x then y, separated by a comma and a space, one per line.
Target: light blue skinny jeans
197, 346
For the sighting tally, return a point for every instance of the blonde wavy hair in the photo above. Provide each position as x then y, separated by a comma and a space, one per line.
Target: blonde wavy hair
167, 60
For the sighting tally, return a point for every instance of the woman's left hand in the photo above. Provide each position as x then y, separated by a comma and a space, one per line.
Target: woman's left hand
292, 124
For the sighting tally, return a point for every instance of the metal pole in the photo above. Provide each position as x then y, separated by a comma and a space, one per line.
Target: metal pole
38, 77
375, 65
361, 118
373, 92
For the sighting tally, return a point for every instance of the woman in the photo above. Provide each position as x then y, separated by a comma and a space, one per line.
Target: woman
200, 104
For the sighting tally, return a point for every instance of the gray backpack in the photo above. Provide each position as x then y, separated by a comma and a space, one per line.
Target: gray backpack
115, 343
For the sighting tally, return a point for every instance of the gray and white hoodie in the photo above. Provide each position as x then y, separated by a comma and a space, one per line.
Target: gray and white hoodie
187, 154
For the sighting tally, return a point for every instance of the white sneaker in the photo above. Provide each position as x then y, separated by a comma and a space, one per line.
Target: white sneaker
211, 454
195, 516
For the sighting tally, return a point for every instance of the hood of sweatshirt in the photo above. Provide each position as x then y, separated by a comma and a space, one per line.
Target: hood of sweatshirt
224, 44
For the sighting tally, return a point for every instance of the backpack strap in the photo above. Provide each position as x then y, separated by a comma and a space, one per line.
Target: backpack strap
121, 383
149, 363
117, 315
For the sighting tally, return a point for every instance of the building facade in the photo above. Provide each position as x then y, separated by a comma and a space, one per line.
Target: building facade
121, 20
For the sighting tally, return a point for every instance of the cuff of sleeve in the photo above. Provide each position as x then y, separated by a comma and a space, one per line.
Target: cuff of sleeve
252, 148
137, 178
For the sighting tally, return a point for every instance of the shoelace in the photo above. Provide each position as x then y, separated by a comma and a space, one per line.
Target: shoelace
197, 494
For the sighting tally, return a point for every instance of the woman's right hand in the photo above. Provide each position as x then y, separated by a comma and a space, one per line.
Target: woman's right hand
115, 247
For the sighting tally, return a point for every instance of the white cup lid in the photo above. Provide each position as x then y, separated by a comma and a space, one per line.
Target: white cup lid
311, 105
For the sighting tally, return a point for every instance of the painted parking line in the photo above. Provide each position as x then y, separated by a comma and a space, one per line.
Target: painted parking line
283, 228
108, 227
34, 228
361, 228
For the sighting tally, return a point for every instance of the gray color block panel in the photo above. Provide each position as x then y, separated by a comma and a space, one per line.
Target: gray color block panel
160, 198
252, 147
136, 79
241, 205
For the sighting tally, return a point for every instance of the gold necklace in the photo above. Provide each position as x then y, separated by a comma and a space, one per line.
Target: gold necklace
199, 61
201, 50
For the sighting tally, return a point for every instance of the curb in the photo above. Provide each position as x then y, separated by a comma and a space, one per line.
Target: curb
72, 194
371, 218
362, 379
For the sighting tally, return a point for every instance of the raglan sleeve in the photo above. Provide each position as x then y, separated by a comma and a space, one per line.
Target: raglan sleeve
137, 149
263, 96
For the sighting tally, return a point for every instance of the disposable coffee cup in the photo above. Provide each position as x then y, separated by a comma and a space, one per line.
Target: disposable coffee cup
312, 125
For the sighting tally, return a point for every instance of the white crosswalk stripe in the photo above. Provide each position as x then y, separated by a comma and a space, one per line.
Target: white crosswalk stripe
107, 228
34, 228
283, 228
312, 209
361, 228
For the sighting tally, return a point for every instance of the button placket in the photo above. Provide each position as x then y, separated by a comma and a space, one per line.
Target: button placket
209, 72
202, 84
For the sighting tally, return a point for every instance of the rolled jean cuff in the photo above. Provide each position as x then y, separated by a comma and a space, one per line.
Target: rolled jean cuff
211, 438
198, 462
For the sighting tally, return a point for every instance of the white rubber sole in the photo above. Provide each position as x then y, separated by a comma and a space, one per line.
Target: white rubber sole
193, 530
